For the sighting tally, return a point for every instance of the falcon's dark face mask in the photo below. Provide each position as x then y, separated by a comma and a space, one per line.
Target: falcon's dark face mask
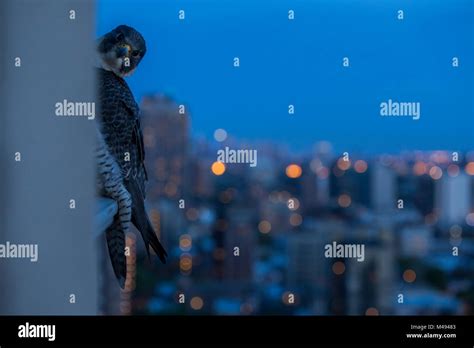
121, 50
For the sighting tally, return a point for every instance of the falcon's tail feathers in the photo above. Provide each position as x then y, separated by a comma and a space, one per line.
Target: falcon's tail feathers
142, 223
116, 245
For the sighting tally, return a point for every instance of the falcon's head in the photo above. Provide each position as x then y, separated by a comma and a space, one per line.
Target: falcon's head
121, 50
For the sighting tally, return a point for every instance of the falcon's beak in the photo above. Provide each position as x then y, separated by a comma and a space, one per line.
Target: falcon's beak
123, 50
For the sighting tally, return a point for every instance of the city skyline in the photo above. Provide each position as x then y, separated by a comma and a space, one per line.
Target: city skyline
416, 236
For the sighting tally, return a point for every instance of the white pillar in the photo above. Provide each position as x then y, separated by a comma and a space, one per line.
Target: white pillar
56, 164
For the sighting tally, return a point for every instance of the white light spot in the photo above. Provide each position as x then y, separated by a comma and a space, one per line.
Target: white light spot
220, 135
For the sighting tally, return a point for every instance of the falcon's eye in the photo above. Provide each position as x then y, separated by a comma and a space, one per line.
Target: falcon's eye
119, 37
135, 53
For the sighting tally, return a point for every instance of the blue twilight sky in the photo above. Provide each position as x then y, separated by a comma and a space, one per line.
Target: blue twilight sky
300, 62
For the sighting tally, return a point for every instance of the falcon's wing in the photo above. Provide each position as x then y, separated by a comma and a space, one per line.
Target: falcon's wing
142, 176
121, 127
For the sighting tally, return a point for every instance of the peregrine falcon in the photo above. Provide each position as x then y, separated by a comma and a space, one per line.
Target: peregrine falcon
120, 51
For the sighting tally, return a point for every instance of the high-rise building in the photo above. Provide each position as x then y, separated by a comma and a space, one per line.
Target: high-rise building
382, 188
453, 198
241, 234
370, 283
322, 191
165, 127
309, 191
308, 269
165, 131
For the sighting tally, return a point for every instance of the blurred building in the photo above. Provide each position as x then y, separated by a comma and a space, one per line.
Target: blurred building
322, 191
371, 283
383, 189
308, 269
241, 234
453, 198
307, 189
165, 132
415, 240
351, 179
